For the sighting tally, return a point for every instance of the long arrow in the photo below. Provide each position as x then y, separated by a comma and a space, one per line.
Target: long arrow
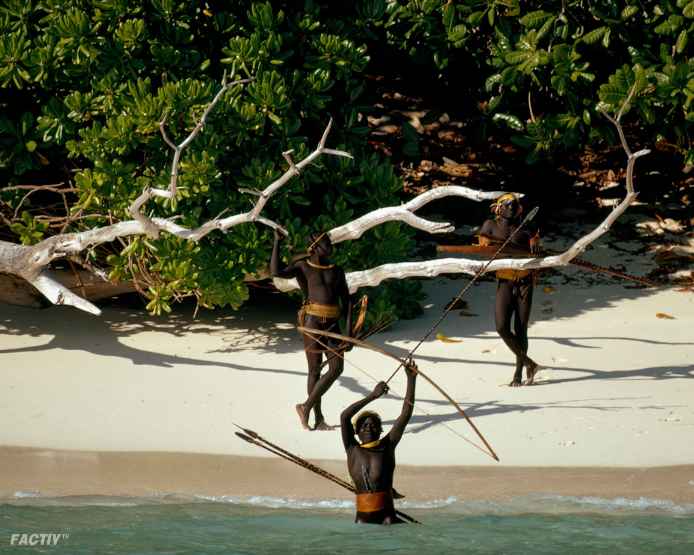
403, 362
580, 262
256, 439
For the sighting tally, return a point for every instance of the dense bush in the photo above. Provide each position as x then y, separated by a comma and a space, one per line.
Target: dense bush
559, 58
86, 83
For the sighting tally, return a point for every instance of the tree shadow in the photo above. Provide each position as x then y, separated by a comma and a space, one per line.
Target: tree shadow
651, 373
103, 336
421, 422
575, 341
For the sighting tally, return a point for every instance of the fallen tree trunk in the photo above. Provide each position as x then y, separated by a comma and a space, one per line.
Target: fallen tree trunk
17, 291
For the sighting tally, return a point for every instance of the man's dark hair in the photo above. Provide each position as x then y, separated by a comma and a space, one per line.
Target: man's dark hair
359, 422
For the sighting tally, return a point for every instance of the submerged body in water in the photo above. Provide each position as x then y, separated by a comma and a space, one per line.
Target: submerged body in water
371, 460
168, 524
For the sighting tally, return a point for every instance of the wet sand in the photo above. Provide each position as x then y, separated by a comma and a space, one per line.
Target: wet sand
49, 473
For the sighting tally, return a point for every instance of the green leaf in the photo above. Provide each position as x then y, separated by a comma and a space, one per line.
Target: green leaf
629, 11
535, 19
595, 35
682, 40
274, 118
512, 121
606, 39
491, 81
586, 117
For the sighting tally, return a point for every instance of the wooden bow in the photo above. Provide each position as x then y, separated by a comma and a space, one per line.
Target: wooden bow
370, 346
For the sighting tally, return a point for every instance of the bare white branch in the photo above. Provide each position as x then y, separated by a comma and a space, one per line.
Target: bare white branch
404, 213
432, 268
58, 294
170, 193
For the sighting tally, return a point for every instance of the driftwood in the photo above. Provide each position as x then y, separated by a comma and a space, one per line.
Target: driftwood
18, 291
433, 268
405, 213
32, 263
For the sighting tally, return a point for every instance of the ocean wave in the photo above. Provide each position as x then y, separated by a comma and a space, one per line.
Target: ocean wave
26, 494
35, 498
640, 504
537, 503
298, 503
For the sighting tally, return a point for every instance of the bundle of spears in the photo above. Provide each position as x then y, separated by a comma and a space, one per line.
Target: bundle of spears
256, 439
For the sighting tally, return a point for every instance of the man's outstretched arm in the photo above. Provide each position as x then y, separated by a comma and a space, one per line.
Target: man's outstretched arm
347, 414
398, 428
275, 270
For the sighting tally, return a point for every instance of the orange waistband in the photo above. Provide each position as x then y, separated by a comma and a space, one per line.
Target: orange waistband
512, 275
372, 502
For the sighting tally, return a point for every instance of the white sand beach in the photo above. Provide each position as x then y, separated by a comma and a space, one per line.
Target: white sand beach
617, 392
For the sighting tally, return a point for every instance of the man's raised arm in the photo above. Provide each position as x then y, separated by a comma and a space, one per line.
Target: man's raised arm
346, 299
275, 271
398, 428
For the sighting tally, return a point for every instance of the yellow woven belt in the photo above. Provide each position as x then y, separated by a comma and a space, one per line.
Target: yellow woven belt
322, 310
512, 275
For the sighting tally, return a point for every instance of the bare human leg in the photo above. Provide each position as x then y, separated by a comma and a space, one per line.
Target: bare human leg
506, 305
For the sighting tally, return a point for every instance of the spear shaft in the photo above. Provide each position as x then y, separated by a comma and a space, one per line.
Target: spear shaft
257, 437
300, 462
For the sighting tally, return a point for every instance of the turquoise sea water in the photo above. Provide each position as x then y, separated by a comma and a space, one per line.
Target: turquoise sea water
178, 525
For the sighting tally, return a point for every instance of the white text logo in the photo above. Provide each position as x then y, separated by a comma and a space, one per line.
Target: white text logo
37, 539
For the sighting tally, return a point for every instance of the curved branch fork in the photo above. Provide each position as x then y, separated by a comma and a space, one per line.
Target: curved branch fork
29, 262
135, 208
405, 213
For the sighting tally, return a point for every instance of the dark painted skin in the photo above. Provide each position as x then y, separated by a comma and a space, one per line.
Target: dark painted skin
328, 287
514, 299
372, 469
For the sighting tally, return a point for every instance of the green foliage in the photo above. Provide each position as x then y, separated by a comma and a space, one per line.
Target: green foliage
561, 59
87, 85
29, 230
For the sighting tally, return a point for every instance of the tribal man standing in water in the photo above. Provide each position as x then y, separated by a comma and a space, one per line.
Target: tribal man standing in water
514, 289
371, 461
324, 286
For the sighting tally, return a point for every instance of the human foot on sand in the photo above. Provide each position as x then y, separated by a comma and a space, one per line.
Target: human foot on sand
302, 416
322, 425
532, 369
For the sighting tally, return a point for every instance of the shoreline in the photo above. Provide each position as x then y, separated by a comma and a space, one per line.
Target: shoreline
32, 472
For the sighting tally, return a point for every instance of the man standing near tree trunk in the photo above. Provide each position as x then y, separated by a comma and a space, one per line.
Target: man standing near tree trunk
325, 289
514, 288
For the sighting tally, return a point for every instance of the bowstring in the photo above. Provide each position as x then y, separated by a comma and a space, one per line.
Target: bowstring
414, 407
